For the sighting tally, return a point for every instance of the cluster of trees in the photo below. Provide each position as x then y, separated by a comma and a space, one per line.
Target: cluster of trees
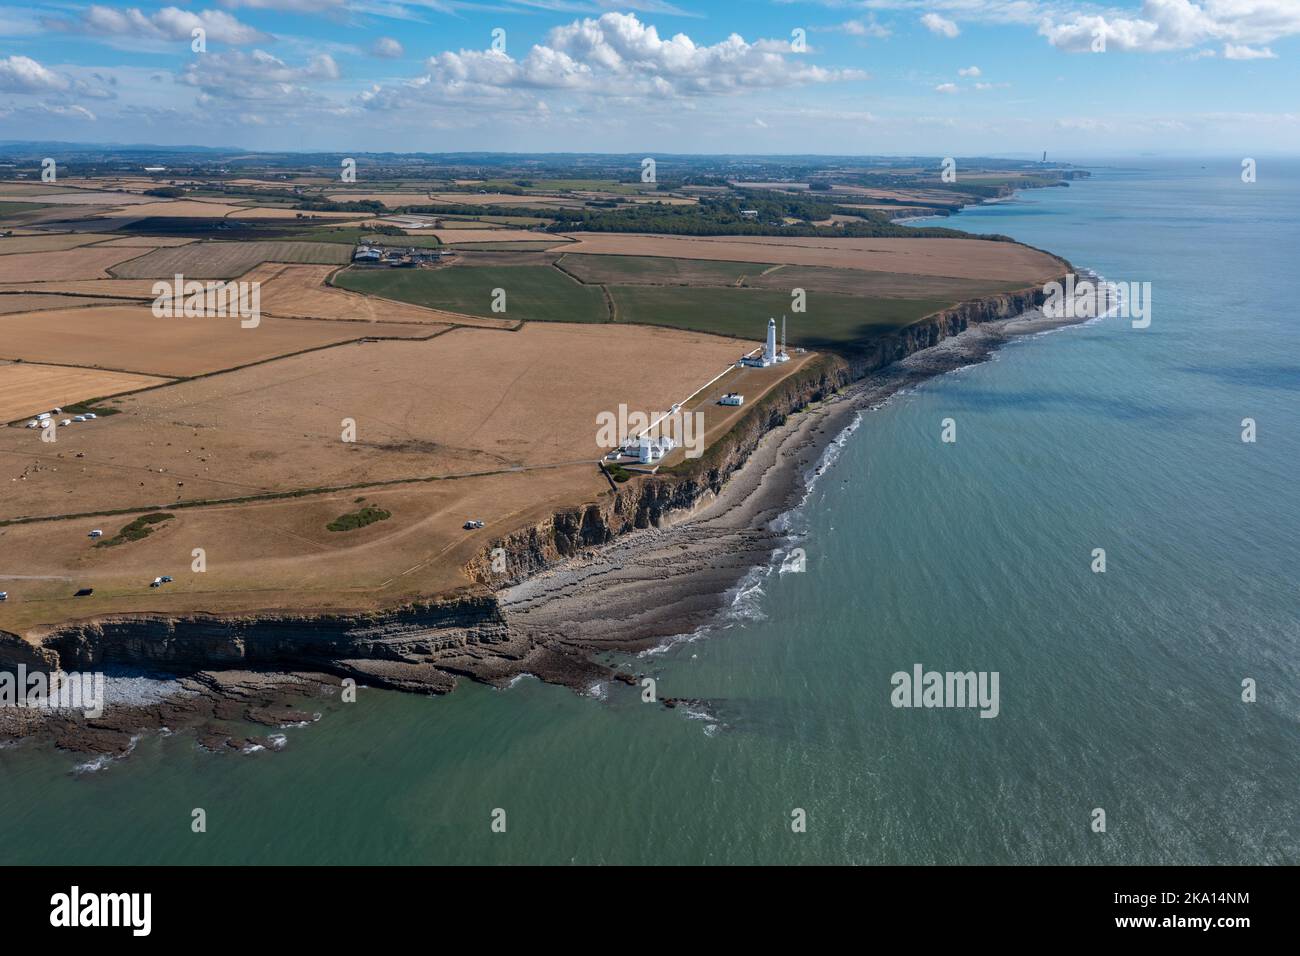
372, 206
723, 216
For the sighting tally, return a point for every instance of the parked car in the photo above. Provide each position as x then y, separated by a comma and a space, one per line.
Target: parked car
65, 421
78, 418
85, 592
91, 416
4, 595
166, 579
97, 533
156, 583
473, 524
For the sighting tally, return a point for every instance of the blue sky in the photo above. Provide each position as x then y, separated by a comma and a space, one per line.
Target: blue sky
932, 77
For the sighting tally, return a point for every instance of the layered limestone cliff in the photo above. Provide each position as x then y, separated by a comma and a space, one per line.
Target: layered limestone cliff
426, 646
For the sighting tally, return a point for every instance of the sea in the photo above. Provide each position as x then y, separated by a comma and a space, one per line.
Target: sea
1145, 713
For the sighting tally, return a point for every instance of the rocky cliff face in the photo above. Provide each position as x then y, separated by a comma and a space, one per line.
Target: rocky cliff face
356, 645
424, 646
664, 497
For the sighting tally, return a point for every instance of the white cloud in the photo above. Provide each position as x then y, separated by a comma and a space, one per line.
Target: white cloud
292, 6
865, 28
613, 56
256, 76
388, 48
1233, 52
1164, 25
1155, 26
940, 26
169, 23
971, 71
946, 88
22, 74
69, 112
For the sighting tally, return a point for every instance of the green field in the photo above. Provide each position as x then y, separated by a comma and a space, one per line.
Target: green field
10, 208
876, 285
564, 185
536, 293
655, 270
832, 321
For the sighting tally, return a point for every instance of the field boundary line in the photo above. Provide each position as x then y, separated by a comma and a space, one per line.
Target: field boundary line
293, 493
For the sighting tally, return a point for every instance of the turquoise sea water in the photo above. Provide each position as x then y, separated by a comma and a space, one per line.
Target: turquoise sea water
1119, 691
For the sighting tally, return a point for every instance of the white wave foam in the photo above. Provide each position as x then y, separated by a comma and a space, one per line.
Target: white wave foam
104, 761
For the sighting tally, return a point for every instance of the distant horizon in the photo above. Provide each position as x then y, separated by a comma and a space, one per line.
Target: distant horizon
1018, 156
871, 77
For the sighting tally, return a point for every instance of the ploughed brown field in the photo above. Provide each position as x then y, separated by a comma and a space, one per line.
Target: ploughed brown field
227, 260
36, 302
131, 338
112, 288
959, 258
27, 389
52, 243
86, 262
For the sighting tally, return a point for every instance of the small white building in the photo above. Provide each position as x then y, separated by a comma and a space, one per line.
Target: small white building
651, 450
732, 398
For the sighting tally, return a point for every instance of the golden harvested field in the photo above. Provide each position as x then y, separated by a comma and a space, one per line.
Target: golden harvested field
131, 338
27, 389
148, 242
35, 302
87, 262
183, 208
300, 290
468, 401
131, 288
53, 243
960, 258
501, 199
391, 200
226, 260
133, 184
278, 553
453, 236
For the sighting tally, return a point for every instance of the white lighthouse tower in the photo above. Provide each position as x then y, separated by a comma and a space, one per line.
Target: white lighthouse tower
769, 355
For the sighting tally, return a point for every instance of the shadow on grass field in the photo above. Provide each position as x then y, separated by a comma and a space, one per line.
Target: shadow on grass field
534, 293
831, 321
